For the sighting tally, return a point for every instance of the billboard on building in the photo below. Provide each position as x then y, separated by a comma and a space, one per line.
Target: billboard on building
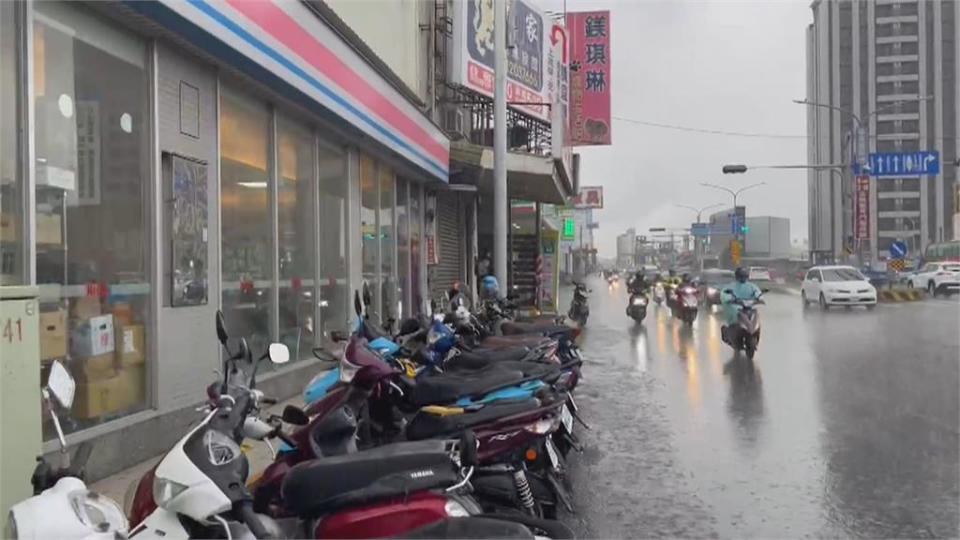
473, 50
589, 34
589, 197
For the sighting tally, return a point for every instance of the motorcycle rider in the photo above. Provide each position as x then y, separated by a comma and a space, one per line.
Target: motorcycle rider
742, 289
638, 283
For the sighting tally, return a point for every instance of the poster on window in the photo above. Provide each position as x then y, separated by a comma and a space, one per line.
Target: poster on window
472, 59
188, 231
589, 35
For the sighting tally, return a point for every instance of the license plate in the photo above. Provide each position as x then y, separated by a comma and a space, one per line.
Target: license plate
552, 453
566, 419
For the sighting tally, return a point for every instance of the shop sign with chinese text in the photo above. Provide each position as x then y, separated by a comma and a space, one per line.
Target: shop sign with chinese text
473, 49
861, 213
590, 68
589, 197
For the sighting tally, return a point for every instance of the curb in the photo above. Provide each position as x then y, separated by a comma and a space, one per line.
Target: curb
906, 295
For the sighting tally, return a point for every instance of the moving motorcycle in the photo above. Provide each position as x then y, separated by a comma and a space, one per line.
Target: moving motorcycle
744, 335
685, 303
62, 507
579, 310
637, 306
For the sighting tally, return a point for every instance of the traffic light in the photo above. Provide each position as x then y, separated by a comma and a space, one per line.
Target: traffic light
744, 229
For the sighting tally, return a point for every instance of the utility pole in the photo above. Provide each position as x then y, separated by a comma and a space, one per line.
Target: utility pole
500, 216
698, 242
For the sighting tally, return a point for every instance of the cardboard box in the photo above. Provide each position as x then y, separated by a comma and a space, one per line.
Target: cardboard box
132, 385
94, 368
53, 334
85, 307
93, 336
125, 389
130, 347
49, 229
8, 228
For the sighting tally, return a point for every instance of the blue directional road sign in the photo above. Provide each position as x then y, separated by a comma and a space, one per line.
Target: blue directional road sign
700, 229
904, 163
898, 250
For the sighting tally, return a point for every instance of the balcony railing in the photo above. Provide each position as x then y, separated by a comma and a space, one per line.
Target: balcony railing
469, 115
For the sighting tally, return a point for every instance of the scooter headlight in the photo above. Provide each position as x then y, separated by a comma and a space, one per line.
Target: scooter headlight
711, 291
165, 490
455, 509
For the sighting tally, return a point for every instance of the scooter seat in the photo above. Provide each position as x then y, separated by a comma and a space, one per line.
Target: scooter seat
320, 486
524, 340
450, 386
481, 357
425, 425
514, 328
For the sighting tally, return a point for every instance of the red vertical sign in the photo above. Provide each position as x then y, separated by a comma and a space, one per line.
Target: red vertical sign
589, 77
861, 211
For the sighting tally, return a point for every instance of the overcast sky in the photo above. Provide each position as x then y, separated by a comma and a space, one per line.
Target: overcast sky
712, 64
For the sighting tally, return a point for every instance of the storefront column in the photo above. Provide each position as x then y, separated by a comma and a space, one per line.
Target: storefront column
317, 243
273, 205
355, 269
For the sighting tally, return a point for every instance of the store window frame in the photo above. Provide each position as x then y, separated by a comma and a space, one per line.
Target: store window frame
21, 26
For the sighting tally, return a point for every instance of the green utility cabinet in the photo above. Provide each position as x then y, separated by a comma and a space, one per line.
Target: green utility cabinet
20, 426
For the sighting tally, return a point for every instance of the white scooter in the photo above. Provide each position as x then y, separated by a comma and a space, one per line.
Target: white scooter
200, 485
62, 506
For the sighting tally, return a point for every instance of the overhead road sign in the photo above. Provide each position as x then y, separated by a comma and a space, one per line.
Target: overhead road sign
904, 163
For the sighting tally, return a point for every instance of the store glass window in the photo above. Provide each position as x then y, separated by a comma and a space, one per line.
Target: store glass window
245, 218
416, 219
388, 278
334, 300
11, 183
370, 246
403, 250
92, 173
297, 251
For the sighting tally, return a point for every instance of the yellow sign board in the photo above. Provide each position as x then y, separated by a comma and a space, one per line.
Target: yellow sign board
735, 252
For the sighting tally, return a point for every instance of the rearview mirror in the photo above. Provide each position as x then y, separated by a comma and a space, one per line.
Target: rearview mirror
221, 328
357, 306
278, 353
294, 415
367, 297
61, 385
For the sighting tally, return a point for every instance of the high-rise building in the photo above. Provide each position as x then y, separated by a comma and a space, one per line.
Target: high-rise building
892, 66
626, 248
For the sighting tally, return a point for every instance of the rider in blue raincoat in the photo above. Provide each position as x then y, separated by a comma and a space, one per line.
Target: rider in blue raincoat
742, 290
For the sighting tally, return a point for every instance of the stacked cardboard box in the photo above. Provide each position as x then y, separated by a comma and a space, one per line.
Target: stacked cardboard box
109, 358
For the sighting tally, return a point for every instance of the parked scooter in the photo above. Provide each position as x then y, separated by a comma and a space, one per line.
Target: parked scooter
744, 335
62, 507
685, 303
637, 307
579, 310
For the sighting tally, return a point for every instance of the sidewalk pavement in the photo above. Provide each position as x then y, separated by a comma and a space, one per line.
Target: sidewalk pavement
259, 455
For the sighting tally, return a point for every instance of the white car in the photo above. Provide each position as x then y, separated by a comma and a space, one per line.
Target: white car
759, 273
936, 278
837, 286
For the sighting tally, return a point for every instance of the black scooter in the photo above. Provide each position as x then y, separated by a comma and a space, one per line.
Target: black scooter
579, 310
637, 306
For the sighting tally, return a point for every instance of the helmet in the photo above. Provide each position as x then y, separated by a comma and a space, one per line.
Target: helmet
685, 276
741, 274
491, 287
672, 272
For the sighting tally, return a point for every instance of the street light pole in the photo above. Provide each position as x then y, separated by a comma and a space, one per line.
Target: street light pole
698, 241
500, 141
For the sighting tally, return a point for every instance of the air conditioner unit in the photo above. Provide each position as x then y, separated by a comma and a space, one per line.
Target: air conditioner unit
454, 123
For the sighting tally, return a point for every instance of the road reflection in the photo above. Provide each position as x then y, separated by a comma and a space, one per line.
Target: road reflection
745, 403
640, 346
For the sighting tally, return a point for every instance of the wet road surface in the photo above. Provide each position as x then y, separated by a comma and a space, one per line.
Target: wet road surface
846, 424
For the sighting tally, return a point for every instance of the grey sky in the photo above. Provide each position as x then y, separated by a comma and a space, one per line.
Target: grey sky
724, 65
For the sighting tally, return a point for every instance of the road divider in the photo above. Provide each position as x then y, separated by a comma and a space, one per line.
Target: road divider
901, 295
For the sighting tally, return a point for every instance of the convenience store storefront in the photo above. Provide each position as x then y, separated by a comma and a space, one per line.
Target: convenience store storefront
169, 159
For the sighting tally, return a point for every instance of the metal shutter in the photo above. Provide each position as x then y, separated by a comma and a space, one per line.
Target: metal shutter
450, 245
